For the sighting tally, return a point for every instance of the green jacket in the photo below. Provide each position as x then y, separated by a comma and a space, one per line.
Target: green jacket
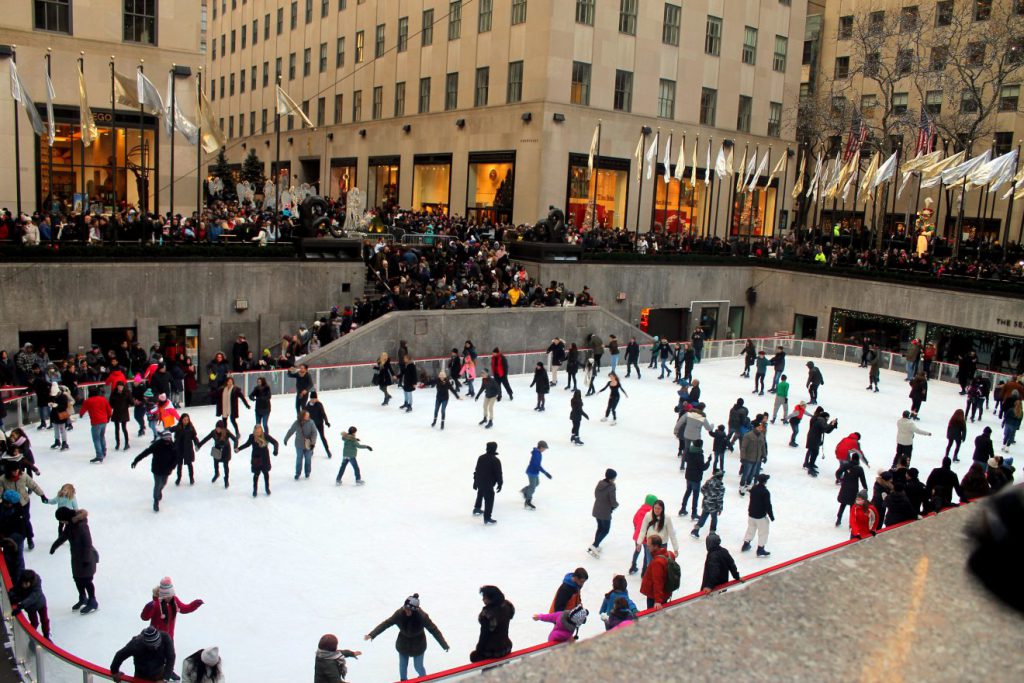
782, 389
350, 446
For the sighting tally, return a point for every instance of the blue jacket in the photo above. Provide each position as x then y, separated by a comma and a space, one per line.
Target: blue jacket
609, 602
535, 468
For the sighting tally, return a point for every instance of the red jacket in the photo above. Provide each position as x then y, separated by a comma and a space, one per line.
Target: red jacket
638, 519
98, 408
653, 583
498, 366
114, 377
863, 520
843, 448
163, 619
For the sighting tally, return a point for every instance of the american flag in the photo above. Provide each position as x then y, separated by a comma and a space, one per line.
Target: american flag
858, 134
925, 135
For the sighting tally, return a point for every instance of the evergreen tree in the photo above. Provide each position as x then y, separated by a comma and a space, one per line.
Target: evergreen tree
221, 169
252, 170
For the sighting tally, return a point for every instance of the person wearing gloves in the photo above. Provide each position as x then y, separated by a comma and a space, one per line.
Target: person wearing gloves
905, 431
162, 613
203, 666
260, 462
759, 513
486, 476
305, 441
567, 623
533, 472
350, 449
165, 460
717, 565
330, 666
152, 653
84, 557
222, 439
411, 643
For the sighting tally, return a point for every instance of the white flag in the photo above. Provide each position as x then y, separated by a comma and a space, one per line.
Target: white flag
51, 126
743, 169
730, 169
932, 175
721, 163
652, 155
959, 172
994, 170
761, 168
779, 167
812, 189
174, 119
147, 94
749, 173
593, 149
639, 155
286, 105
693, 169
19, 94
667, 162
125, 91
801, 175
89, 130
707, 165
854, 167
681, 161
869, 175
885, 171
213, 136
1018, 183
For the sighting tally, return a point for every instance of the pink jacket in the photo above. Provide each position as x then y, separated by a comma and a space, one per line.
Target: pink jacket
468, 369
559, 634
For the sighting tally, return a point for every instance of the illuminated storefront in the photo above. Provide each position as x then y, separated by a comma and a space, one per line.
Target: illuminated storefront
382, 183
753, 213
343, 177
612, 179
81, 176
677, 208
432, 183
490, 190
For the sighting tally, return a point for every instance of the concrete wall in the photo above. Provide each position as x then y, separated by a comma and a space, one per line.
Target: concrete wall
435, 333
81, 296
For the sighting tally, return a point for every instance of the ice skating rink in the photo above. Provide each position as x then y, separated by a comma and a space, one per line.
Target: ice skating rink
277, 572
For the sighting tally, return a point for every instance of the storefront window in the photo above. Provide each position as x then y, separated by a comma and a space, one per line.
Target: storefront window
343, 178
491, 187
431, 183
753, 213
382, 184
677, 208
612, 180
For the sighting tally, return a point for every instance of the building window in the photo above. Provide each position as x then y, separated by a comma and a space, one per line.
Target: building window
975, 54
623, 100
876, 22
291, 67
140, 21
322, 63
403, 34
280, 20
357, 106
749, 45
325, 6
309, 11
321, 111
904, 62
483, 18
744, 113
909, 17
277, 69
241, 81
900, 100
842, 67
232, 41
670, 27
666, 99
255, 33
1008, 97
266, 27
514, 90
243, 36
579, 93
781, 48
455, 20
774, 119
294, 16
266, 74
518, 12
252, 77
982, 10
252, 123
339, 53
339, 107
845, 27
427, 34
838, 105
451, 91
713, 36
424, 104
939, 57
585, 12
708, 106
1003, 144
627, 17
307, 61
378, 102
378, 42
263, 121
400, 98
944, 13
231, 126
213, 54
231, 84
933, 102
213, 89
483, 82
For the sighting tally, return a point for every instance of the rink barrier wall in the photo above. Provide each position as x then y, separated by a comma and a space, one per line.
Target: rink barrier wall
22, 408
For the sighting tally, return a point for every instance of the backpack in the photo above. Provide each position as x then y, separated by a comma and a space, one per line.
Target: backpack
673, 574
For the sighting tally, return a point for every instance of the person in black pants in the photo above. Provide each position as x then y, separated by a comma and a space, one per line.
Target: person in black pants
576, 414
227, 403
319, 417
613, 399
499, 370
76, 533
165, 459
486, 476
633, 357
572, 366
303, 385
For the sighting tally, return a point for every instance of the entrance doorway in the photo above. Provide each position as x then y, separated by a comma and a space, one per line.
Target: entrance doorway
805, 326
665, 323
54, 341
175, 339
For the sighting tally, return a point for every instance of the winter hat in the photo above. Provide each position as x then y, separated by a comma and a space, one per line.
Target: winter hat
63, 514
578, 616
137, 379
610, 473
763, 478
165, 434
987, 430
413, 602
651, 499
328, 642
312, 394
166, 589
149, 393
12, 497
993, 462
210, 656
542, 444
492, 447
150, 636
713, 541
862, 494
54, 389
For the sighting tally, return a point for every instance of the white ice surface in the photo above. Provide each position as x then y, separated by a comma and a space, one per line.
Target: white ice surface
277, 572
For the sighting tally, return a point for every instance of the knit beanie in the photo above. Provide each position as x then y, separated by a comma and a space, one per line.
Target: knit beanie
651, 499
328, 642
413, 602
210, 656
610, 473
578, 616
150, 636
166, 589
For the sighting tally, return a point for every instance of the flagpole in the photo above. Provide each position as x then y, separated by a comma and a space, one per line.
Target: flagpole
718, 194
199, 145
1009, 204
597, 165
49, 171
781, 197
113, 131
144, 195
640, 180
734, 181
888, 187
17, 142
958, 226
679, 194
172, 108
705, 228
81, 130
277, 155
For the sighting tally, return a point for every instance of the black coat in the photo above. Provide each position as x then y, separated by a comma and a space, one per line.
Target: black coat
983, 448
817, 430
853, 481
632, 352
160, 383
317, 414
940, 486
165, 457
494, 641
224, 443
260, 396
572, 363
84, 557
899, 508
186, 441
717, 567
260, 454
760, 503
488, 472
541, 381
120, 402
383, 374
151, 663
236, 396
409, 376
696, 465
916, 492
557, 352
412, 632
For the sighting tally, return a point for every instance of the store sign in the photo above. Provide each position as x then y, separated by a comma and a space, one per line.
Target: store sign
1014, 324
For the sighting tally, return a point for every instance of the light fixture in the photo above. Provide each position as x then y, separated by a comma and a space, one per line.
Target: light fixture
330, 136
406, 128
645, 130
267, 143
527, 117
460, 123
182, 71
290, 139
558, 118
362, 132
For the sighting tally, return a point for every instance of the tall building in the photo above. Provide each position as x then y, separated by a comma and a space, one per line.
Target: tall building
156, 34
944, 72
487, 108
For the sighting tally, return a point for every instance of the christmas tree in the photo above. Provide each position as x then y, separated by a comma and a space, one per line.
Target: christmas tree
252, 169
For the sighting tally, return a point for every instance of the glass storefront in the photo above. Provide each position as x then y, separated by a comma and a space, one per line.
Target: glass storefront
677, 208
382, 183
343, 178
81, 177
490, 187
432, 183
612, 181
753, 213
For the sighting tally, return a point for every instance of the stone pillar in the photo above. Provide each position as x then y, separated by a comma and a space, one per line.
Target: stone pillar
210, 341
147, 331
79, 336
9, 338
270, 332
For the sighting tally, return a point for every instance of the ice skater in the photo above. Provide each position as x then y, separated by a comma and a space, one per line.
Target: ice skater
542, 385
576, 414
319, 417
760, 370
186, 441
444, 389
165, 459
222, 439
613, 386
499, 370
589, 373
759, 516
604, 504
490, 390
162, 613
383, 376
533, 472
873, 359
572, 366
749, 354
487, 476
260, 442
632, 357
413, 624
468, 373
78, 536
350, 449
814, 381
